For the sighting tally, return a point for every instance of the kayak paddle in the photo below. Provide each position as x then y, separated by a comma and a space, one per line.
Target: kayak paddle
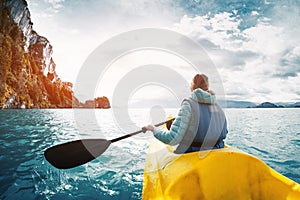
79, 152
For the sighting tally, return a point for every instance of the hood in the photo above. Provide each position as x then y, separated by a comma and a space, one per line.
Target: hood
203, 97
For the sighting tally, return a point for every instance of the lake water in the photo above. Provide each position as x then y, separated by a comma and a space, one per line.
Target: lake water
273, 135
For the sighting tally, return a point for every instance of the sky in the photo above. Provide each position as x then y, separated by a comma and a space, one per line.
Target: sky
255, 45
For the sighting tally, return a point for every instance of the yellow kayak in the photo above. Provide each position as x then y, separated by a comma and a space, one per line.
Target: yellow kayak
226, 173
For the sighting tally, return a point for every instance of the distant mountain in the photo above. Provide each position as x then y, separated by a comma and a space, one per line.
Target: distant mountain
289, 105
248, 104
167, 103
236, 104
296, 105
267, 105
278, 105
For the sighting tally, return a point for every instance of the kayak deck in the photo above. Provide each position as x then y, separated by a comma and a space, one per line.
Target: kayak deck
226, 173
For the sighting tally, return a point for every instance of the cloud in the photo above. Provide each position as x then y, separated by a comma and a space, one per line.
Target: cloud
289, 64
251, 61
218, 29
249, 12
254, 44
75, 28
56, 4
220, 36
234, 60
263, 90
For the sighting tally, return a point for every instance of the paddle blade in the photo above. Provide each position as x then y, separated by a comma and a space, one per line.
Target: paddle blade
75, 153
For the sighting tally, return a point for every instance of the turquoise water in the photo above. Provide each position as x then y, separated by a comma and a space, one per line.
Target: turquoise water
273, 135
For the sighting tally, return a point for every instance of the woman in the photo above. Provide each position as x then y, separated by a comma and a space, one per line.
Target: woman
200, 124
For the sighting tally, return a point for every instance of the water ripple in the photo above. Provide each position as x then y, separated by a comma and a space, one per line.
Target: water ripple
118, 173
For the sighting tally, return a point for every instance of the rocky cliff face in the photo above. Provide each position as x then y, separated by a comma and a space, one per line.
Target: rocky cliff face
99, 102
21, 15
38, 46
27, 70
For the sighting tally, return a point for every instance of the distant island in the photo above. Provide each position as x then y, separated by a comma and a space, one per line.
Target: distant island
248, 104
99, 102
268, 105
278, 105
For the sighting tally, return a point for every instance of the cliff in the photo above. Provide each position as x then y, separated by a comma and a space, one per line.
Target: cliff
99, 102
27, 70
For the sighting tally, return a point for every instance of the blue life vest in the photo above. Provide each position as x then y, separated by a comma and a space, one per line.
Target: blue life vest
209, 128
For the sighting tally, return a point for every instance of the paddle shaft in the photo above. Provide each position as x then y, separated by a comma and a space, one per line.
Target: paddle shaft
75, 153
137, 132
